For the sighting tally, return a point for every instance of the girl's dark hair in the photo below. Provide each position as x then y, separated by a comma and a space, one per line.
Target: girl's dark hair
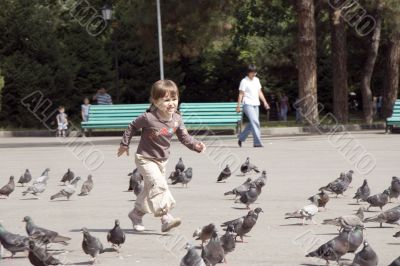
251, 68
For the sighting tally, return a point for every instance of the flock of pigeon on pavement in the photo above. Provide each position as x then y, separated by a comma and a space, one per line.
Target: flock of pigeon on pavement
214, 247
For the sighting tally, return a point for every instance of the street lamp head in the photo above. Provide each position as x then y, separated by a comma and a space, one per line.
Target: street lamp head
106, 12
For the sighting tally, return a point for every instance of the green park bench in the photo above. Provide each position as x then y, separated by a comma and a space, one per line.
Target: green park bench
195, 115
394, 120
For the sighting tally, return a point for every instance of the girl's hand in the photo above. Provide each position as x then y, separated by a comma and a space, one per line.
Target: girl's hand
122, 149
201, 147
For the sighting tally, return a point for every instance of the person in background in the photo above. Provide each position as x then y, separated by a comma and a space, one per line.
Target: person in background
283, 107
62, 122
250, 94
102, 97
85, 111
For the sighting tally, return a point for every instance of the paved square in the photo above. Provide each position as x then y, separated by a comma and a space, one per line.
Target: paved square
296, 167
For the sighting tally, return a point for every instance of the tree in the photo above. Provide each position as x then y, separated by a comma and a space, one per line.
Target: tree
307, 61
339, 62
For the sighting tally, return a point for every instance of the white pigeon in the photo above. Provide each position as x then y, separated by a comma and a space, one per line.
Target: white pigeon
43, 178
305, 213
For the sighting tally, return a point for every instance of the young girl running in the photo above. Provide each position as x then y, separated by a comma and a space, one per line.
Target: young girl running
159, 123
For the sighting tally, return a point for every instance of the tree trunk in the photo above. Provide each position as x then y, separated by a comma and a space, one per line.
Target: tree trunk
307, 61
339, 64
391, 84
369, 64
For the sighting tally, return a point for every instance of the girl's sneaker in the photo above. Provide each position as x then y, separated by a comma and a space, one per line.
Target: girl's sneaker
169, 222
136, 221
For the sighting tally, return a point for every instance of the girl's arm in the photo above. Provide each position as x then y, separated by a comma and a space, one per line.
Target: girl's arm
136, 124
187, 140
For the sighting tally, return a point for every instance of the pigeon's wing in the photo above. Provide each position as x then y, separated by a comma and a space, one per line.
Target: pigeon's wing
7, 189
233, 222
70, 189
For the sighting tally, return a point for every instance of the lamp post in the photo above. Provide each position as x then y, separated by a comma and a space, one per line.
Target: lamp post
107, 13
160, 46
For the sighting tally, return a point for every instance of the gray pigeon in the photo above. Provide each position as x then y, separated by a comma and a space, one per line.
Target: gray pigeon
39, 257
394, 188
397, 234
213, 252
243, 225
396, 262
9, 188
228, 240
87, 186
136, 177
391, 216
393, 194
26, 178
363, 192
67, 177
349, 176
322, 197
68, 191
116, 236
184, 178
378, 200
192, 258
333, 250
204, 233
338, 186
13, 242
247, 167
240, 189
260, 182
43, 235
355, 237
366, 257
39, 185
249, 197
174, 175
180, 166
91, 245
224, 174
43, 177
347, 221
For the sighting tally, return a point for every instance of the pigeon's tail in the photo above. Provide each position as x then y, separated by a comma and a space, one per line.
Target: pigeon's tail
53, 261
372, 219
397, 234
331, 222
104, 250
290, 215
197, 232
325, 188
232, 192
58, 195
312, 254
256, 169
61, 240
83, 194
356, 196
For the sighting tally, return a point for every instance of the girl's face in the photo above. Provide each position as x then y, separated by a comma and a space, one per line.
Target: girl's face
86, 101
167, 105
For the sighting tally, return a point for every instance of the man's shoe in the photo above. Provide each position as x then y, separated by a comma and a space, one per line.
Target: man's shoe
258, 146
240, 143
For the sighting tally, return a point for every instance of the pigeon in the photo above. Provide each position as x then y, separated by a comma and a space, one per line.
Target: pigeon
247, 167
116, 236
249, 197
349, 176
305, 213
184, 177
43, 177
363, 192
67, 177
378, 200
68, 191
243, 225
43, 235
394, 188
355, 237
26, 178
338, 186
204, 233
180, 166
322, 197
39, 185
391, 216
213, 252
91, 245
39, 257
396, 262
87, 186
228, 240
9, 188
347, 221
224, 174
135, 178
333, 250
397, 234
192, 258
13, 242
260, 182
366, 257
240, 189
174, 175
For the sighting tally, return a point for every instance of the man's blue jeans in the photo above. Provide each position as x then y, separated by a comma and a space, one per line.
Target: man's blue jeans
252, 113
